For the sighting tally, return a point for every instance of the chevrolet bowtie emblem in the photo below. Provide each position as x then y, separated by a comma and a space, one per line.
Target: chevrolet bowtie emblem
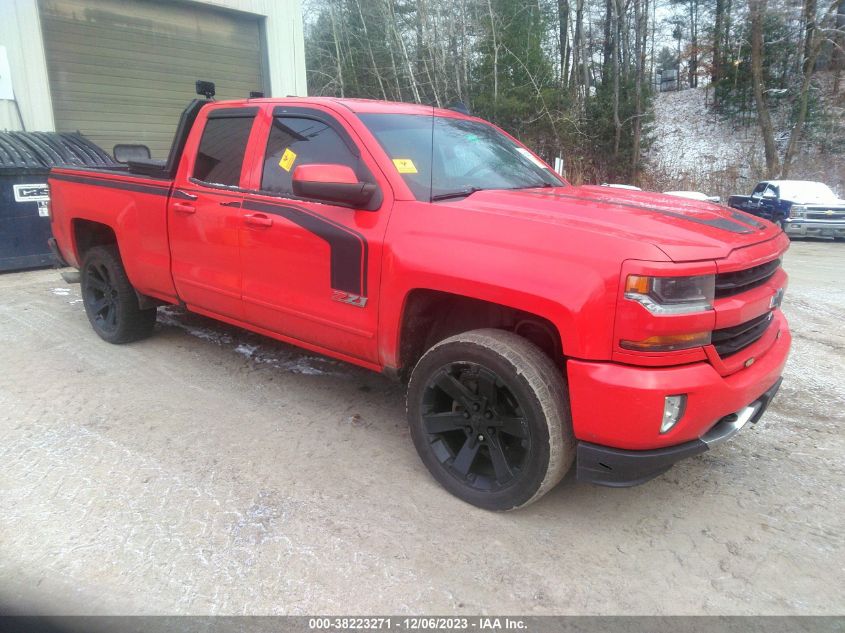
829, 212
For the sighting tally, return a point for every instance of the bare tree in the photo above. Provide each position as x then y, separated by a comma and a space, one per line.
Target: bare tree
812, 47
757, 10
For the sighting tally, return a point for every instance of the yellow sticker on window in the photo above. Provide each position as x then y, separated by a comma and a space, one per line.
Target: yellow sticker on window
405, 165
287, 160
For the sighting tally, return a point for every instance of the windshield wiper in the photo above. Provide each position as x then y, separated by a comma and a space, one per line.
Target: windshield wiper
455, 194
539, 185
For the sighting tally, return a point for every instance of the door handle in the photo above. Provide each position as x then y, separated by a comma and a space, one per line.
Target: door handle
230, 203
258, 219
184, 207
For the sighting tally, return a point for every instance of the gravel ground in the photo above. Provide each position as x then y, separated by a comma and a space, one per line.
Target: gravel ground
210, 471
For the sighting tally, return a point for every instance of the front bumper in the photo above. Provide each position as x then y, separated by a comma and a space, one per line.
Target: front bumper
620, 468
617, 409
801, 227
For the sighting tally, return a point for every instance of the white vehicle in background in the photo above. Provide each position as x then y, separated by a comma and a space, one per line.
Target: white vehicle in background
618, 186
694, 195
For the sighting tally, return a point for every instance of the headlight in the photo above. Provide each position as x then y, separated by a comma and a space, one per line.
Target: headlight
672, 295
797, 211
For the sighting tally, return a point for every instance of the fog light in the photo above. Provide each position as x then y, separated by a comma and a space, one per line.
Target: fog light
673, 409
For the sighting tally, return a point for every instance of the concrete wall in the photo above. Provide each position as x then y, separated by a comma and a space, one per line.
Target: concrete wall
20, 33
285, 41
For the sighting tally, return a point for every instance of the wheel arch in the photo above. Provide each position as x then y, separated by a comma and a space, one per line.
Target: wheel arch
90, 233
429, 316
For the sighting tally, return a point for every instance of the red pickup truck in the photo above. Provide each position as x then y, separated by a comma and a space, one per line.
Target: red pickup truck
539, 324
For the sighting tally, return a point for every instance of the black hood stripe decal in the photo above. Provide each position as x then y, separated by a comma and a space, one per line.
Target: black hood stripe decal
725, 225
746, 218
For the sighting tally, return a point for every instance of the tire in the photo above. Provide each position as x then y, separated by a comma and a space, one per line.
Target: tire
489, 416
110, 300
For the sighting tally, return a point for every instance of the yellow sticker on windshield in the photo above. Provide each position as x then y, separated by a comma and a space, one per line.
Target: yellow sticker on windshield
287, 160
405, 165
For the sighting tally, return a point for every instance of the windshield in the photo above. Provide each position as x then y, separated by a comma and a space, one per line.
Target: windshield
442, 157
805, 191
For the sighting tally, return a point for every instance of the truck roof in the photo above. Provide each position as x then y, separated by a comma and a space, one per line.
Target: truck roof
792, 182
359, 106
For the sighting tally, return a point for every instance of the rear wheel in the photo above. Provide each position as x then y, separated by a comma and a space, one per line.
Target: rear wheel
489, 416
110, 300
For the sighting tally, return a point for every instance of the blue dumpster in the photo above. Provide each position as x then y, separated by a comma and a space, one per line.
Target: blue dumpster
25, 161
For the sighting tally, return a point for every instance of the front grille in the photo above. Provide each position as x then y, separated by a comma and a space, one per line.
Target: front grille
821, 215
731, 340
733, 283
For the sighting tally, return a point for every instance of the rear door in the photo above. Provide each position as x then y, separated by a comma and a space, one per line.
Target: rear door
205, 214
311, 269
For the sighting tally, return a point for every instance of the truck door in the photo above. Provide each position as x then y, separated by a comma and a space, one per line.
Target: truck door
769, 203
205, 215
311, 269
752, 205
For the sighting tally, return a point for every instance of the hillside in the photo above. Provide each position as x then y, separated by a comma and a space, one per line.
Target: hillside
692, 147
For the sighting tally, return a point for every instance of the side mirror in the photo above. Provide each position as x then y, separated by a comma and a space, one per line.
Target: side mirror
336, 184
123, 153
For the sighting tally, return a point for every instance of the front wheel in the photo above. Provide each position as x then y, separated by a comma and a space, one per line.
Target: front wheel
110, 300
489, 416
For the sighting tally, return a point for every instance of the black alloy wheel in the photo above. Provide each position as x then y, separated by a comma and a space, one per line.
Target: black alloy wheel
476, 426
101, 297
110, 301
489, 415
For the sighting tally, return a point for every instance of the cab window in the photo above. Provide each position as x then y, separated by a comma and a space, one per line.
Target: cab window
295, 141
222, 148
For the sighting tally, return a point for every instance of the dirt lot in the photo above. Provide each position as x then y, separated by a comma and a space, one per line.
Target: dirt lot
210, 471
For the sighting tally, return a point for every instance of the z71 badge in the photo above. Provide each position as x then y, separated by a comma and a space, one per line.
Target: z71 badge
348, 297
31, 193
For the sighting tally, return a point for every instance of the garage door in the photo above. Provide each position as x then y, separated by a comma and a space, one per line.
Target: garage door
122, 71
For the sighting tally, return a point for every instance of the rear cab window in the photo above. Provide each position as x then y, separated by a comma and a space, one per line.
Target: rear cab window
222, 148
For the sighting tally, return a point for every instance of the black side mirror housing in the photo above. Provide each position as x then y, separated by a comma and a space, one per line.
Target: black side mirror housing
356, 194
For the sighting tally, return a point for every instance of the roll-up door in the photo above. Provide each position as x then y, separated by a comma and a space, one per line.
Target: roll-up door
122, 71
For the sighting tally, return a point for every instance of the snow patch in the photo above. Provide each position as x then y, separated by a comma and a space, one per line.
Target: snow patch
246, 350
291, 360
688, 138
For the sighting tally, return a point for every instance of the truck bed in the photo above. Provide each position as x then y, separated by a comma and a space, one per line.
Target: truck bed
134, 205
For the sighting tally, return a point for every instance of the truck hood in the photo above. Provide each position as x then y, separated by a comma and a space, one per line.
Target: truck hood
684, 229
833, 205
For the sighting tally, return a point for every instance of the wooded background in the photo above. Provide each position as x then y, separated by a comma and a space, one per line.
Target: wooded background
577, 78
